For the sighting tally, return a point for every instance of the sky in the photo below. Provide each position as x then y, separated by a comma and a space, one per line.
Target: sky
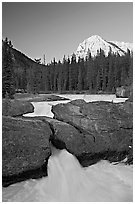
56, 28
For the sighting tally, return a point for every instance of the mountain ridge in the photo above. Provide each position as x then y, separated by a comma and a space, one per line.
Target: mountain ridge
95, 43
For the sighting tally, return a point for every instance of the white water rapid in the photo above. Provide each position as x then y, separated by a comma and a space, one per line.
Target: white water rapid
67, 181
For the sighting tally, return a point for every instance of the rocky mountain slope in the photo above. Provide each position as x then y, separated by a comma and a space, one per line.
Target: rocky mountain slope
95, 43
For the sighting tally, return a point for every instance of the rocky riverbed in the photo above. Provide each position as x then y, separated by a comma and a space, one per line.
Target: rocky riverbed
90, 131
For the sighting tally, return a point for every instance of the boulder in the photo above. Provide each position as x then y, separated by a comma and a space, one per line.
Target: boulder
124, 91
96, 117
128, 108
105, 129
64, 136
108, 116
25, 149
16, 107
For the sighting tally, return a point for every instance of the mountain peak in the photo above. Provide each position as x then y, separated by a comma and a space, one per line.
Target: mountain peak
95, 43
96, 37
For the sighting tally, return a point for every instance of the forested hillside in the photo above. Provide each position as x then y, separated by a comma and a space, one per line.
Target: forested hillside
93, 74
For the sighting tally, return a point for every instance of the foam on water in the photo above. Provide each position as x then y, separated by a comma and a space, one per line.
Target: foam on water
68, 181
44, 108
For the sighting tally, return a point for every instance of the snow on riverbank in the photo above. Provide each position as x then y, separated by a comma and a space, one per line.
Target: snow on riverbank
44, 108
94, 97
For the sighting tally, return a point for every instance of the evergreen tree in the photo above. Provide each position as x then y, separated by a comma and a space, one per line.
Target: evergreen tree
44, 59
65, 68
30, 76
66, 81
8, 83
60, 76
71, 69
105, 75
127, 71
101, 70
90, 72
111, 82
130, 72
98, 82
72, 73
84, 74
55, 72
79, 84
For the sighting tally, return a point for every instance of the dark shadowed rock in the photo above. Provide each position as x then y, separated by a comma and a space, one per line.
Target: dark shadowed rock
25, 149
128, 108
64, 136
105, 128
16, 107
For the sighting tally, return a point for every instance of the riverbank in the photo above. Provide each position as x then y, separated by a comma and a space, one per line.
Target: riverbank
37, 97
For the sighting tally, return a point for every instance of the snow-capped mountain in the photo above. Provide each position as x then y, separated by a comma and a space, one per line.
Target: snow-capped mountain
124, 46
95, 42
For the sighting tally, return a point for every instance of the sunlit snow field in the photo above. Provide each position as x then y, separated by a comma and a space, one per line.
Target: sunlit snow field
67, 180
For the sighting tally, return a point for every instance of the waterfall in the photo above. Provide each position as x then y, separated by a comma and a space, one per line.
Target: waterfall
67, 181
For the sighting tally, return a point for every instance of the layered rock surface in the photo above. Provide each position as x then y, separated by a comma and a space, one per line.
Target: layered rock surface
105, 129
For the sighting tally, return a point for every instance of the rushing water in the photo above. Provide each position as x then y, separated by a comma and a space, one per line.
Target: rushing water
68, 181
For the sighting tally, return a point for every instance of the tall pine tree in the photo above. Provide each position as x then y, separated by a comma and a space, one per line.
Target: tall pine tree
8, 83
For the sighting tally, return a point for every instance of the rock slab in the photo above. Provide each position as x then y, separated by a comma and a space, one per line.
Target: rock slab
104, 128
16, 107
25, 148
64, 135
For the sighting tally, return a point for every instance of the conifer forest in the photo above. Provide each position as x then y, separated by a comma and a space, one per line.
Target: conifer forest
99, 74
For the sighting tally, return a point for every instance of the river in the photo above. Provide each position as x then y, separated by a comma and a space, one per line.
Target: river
67, 181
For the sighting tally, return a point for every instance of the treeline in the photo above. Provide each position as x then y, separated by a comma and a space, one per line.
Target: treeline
98, 74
